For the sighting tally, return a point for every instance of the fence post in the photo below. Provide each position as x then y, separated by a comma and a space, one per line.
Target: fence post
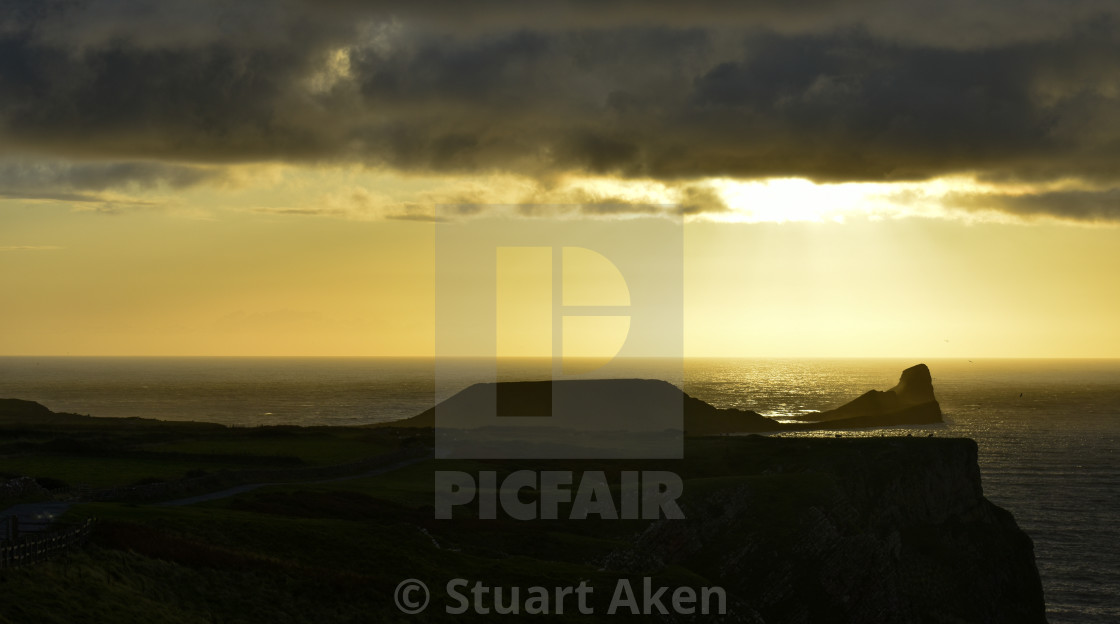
34, 548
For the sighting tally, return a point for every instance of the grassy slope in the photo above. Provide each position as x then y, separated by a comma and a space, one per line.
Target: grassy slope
334, 552
324, 552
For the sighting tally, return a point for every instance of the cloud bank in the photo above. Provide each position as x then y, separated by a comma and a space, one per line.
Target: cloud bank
856, 91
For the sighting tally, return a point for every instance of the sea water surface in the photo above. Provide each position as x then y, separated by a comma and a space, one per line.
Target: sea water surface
1047, 429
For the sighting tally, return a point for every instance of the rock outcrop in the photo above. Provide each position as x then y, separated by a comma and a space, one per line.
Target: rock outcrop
910, 402
855, 530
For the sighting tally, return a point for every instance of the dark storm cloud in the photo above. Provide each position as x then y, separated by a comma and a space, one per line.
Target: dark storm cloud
83, 184
1088, 206
826, 90
848, 105
100, 176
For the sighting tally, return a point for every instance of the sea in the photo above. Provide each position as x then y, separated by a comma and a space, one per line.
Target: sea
1047, 429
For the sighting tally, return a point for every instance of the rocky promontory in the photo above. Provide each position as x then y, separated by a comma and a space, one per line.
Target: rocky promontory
645, 405
910, 402
864, 530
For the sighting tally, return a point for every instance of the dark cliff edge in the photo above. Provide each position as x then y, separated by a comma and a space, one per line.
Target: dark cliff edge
855, 530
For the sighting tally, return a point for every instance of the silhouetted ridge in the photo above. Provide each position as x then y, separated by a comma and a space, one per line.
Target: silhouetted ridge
19, 412
654, 405
592, 404
18, 408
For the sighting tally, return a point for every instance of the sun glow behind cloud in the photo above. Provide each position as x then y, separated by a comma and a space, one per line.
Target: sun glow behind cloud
337, 261
356, 192
794, 200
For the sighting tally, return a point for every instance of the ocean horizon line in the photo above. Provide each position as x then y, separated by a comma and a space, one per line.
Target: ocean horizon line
916, 358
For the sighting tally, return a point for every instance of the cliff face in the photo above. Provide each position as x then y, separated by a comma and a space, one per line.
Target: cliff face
863, 530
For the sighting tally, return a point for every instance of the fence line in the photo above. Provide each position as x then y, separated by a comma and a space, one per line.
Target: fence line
38, 546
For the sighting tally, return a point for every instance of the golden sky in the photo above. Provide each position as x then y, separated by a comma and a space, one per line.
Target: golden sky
855, 182
241, 277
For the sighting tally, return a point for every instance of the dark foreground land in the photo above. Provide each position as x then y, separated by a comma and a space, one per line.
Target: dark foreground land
892, 529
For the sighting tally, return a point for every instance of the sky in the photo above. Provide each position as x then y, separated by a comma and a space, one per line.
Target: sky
855, 179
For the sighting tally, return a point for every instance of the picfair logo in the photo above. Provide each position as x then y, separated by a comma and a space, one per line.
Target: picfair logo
534, 315
569, 305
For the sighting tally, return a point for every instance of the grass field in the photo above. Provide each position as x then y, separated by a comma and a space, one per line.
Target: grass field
316, 549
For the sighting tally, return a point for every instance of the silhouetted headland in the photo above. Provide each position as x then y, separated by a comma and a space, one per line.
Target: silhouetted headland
640, 405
